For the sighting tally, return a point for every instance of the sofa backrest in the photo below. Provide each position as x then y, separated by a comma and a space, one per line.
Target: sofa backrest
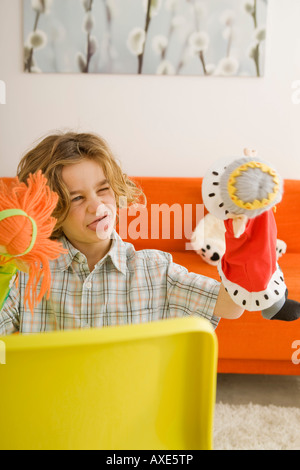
174, 208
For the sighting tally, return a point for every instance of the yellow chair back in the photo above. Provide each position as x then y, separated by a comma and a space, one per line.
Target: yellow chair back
145, 386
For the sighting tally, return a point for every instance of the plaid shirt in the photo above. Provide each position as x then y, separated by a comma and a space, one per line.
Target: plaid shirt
125, 287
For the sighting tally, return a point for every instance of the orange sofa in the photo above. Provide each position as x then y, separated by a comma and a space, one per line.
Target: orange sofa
250, 344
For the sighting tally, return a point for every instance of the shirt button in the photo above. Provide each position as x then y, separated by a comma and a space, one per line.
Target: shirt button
88, 285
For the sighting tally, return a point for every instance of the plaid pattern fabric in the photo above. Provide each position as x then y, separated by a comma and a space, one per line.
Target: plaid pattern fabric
126, 287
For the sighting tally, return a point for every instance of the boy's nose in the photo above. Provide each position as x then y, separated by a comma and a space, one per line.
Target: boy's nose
101, 209
93, 205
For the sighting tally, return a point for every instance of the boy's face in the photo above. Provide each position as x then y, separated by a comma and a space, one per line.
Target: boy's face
93, 205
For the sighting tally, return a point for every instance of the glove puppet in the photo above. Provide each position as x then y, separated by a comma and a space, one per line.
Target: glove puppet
243, 193
208, 240
25, 229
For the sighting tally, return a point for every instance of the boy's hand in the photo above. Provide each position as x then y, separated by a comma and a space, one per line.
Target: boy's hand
225, 307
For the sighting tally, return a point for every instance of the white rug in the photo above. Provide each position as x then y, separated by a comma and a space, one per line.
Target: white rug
256, 427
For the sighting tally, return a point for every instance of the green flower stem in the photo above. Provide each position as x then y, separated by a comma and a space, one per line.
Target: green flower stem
109, 35
229, 44
6, 273
88, 52
201, 55
256, 54
254, 14
28, 64
148, 19
170, 34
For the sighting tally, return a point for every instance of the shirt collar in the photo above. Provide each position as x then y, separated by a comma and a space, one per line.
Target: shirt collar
117, 254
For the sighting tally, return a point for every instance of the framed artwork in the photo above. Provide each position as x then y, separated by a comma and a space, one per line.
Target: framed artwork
154, 37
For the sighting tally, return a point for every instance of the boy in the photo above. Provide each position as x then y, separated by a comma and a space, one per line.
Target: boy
102, 281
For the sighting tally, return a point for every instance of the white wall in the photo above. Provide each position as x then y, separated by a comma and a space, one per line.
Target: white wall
159, 126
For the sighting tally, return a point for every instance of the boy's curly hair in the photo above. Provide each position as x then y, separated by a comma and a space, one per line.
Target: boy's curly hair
62, 149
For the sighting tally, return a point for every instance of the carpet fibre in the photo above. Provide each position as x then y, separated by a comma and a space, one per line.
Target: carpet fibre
256, 427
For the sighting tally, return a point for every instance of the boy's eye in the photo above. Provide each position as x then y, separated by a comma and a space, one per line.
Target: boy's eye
76, 199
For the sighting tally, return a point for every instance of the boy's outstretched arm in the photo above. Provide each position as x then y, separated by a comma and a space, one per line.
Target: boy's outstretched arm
225, 307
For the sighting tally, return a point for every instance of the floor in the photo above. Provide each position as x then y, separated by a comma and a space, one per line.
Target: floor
242, 389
